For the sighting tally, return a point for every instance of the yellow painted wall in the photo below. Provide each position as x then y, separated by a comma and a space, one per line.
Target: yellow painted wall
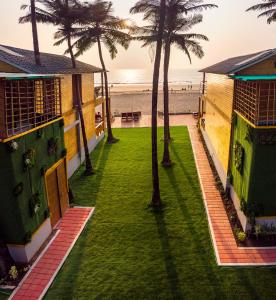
219, 105
70, 113
266, 67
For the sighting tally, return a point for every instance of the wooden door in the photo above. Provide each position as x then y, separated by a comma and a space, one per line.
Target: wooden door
53, 197
63, 188
57, 192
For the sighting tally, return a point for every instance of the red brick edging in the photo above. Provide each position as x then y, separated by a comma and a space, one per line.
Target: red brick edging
43, 272
226, 249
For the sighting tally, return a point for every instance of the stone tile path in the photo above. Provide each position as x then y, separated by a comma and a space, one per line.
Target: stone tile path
38, 280
226, 249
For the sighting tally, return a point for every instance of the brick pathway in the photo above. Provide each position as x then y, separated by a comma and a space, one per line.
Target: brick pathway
226, 250
38, 280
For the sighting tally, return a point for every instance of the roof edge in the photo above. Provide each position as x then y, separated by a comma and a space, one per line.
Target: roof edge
15, 65
242, 67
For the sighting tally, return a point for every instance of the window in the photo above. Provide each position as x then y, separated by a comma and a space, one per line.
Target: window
77, 88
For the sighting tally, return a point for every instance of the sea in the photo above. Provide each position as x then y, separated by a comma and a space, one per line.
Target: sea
144, 77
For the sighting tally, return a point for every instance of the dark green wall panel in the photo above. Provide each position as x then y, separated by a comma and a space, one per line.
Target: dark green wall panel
16, 220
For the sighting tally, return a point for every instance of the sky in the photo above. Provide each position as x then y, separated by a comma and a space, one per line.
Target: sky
231, 32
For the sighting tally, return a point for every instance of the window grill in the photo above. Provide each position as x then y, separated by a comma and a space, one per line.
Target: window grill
256, 101
28, 104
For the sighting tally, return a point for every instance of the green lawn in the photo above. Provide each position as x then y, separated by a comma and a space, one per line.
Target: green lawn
129, 252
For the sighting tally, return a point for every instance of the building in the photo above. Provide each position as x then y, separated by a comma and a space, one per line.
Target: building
40, 142
238, 123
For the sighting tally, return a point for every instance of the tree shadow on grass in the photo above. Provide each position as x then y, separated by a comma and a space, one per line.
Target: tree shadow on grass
195, 237
88, 187
180, 163
168, 257
241, 274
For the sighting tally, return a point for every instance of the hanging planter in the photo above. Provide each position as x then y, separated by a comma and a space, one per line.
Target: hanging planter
29, 159
52, 146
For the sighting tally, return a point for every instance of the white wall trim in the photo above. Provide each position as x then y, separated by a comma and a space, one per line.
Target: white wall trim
222, 174
23, 254
77, 160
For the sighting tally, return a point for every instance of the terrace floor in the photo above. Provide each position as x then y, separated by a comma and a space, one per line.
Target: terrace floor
145, 121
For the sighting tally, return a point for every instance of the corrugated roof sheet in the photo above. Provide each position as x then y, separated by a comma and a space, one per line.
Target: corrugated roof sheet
236, 64
50, 63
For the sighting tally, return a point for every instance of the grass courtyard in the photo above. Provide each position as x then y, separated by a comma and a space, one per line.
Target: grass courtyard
129, 252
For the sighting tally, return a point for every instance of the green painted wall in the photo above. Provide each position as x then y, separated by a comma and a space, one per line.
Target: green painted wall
256, 184
17, 219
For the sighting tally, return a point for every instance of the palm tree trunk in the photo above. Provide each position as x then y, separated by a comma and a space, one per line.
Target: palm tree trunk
35, 35
156, 199
166, 155
88, 164
110, 138
70, 48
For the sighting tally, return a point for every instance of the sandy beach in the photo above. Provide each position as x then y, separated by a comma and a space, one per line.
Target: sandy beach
181, 101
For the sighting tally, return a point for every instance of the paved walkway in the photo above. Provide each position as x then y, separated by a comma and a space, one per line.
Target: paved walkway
38, 280
226, 250
145, 121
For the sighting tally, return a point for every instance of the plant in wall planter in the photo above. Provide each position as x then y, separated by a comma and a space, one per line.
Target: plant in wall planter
13, 146
52, 146
34, 204
239, 157
29, 159
249, 134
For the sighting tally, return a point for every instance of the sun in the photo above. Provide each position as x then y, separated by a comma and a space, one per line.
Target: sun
128, 23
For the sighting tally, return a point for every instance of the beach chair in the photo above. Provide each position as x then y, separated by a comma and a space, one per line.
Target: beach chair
127, 117
124, 117
137, 115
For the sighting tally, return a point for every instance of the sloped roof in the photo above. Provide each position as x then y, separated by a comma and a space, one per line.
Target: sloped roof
50, 63
236, 64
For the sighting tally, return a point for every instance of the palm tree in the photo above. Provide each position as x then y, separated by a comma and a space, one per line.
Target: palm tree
100, 27
149, 9
269, 10
177, 23
64, 14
